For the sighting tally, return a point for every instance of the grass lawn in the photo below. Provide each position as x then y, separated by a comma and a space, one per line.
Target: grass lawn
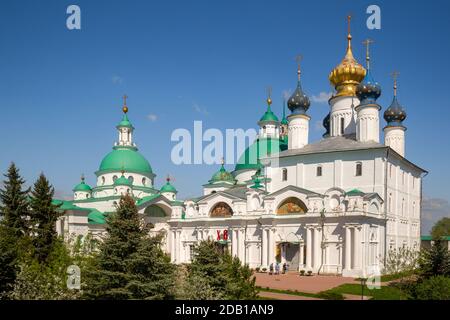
295, 293
385, 293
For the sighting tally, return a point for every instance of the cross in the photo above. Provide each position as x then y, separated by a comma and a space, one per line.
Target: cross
269, 94
125, 97
367, 43
298, 58
349, 18
395, 75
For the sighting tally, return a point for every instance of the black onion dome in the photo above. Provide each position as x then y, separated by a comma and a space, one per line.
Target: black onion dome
395, 114
368, 91
299, 102
326, 124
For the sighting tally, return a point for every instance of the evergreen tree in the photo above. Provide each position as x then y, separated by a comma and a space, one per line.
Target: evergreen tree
435, 261
13, 202
44, 215
216, 275
130, 263
13, 227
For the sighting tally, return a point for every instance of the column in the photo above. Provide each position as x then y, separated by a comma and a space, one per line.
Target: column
233, 243
317, 249
241, 246
172, 245
179, 248
348, 248
175, 242
302, 255
357, 247
308, 248
264, 248
271, 246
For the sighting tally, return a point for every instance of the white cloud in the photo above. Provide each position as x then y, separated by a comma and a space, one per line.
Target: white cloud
200, 109
117, 79
322, 97
152, 117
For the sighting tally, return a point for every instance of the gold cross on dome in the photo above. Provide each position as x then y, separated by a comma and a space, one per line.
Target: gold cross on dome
367, 43
125, 97
395, 75
299, 59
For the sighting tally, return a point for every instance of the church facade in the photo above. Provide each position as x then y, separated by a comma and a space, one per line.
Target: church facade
334, 206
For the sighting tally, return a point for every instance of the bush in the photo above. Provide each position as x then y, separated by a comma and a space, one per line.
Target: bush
257, 269
264, 269
302, 272
330, 295
309, 273
434, 288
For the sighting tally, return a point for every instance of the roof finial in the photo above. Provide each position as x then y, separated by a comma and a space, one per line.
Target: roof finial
125, 108
222, 161
82, 177
298, 58
269, 94
367, 43
168, 178
395, 75
349, 36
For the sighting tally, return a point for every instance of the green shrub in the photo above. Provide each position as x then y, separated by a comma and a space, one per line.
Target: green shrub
434, 288
302, 272
330, 295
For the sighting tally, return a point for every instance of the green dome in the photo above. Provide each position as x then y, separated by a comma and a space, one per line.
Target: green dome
82, 186
269, 116
122, 181
125, 122
126, 159
222, 176
168, 187
261, 148
96, 217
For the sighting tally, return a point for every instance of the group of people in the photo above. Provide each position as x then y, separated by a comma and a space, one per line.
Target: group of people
275, 269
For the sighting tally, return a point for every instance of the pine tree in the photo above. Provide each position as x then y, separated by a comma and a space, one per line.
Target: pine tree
435, 261
44, 215
13, 227
130, 264
14, 204
241, 282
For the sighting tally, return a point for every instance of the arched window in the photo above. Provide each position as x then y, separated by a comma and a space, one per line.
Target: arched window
131, 179
103, 180
319, 171
155, 211
292, 206
358, 172
221, 210
284, 175
114, 178
342, 125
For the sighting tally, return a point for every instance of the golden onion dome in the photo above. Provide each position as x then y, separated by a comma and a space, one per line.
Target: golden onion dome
346, 76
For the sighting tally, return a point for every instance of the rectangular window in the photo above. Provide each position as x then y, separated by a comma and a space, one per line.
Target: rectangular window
319, 171
284, 175
342, 125
358, 169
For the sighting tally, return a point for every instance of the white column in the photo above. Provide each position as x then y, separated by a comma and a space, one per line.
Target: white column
348, 249
172, 245
241, 247
271, 246
302, 255
179, 246
394, 137
298, 131
264, 248
357, 247
233, 242
308, 248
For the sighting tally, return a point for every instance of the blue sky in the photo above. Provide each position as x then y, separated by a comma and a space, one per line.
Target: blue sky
182, 61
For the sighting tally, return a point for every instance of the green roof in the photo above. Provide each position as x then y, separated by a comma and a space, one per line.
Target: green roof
96, 217
261, 148
82, 186
354, 192
125, 122
126, 159
168, 188
222, 176
122, 181
269, 116
429, 238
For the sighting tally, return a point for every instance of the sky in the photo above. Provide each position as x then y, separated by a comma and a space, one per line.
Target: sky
181, 61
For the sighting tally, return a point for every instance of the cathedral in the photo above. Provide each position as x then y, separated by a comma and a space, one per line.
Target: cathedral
333, 206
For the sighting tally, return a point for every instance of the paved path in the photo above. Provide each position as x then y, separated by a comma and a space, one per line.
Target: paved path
292, 281
282, 296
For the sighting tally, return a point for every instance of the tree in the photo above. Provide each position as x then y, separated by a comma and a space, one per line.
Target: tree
44, 215
13, 227
435, 261
130, 264
434, 288
402, 260
14, 204
441, 228
216, 275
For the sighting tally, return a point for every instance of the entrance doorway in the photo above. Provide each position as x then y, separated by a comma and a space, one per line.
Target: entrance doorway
290, 254
222, 246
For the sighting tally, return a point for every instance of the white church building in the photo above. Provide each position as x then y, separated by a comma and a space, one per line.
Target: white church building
333, 206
